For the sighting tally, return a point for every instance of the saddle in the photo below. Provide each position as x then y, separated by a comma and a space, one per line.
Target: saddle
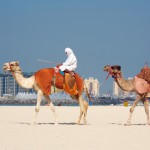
145, 74
67, 82
142, 81
48, 77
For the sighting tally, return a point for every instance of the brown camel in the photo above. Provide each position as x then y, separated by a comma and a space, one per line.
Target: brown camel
129, 85
37, 81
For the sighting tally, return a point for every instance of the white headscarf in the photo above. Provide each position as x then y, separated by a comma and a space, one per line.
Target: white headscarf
71, 62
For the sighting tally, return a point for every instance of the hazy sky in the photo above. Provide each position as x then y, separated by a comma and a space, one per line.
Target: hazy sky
101, 32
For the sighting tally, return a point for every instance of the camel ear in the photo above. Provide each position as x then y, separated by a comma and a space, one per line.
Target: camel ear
116, 67
17, 63
106, 67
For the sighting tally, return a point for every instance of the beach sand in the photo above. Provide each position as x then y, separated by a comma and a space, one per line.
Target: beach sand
105, 129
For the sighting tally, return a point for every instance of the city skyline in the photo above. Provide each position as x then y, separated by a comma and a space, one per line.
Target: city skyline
9, 86
99, 32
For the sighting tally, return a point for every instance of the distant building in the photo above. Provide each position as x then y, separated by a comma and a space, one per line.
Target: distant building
93, 86
9, 86
117, 91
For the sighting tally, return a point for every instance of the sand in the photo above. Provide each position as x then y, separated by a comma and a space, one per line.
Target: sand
105, 129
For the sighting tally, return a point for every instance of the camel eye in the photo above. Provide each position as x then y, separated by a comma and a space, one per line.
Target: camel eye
12, 64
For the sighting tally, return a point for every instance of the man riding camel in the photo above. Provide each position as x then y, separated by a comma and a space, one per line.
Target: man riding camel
70, 64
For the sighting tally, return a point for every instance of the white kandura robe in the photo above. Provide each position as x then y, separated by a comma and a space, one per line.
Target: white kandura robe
71, 63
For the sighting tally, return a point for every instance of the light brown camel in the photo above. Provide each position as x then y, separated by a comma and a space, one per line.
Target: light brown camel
129, 85
32, 82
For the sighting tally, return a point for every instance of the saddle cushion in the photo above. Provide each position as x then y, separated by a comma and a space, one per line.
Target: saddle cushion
73, 85
45, 79
80, 83
145, 74
141, 85
59, 80
70, 85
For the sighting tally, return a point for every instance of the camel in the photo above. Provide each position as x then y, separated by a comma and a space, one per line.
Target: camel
32, 82
129, 85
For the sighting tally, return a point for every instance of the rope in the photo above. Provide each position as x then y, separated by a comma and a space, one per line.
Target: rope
104, 81
50, 62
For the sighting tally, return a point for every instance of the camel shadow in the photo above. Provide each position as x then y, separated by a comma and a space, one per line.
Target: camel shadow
49, 123
63, 123
70, 123
29, 124
116, 123
73, 123
132, 124
23, 123
137, 124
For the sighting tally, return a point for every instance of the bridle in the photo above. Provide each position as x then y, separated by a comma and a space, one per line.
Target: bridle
109, 70
13, 71
10, 67
114, 73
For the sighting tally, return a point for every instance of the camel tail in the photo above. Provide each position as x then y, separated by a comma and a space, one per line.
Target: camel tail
87, 94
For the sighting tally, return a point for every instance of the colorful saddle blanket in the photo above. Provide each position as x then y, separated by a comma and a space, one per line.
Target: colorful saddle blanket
47, 77
73, 85
145, 74
142, 81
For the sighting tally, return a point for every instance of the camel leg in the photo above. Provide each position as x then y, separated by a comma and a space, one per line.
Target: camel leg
146, 106
132, 109
80, 116
50, 103
82, 111
85, 112
37, 108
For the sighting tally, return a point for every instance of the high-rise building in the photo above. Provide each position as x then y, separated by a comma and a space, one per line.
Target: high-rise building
117, 91
92, 86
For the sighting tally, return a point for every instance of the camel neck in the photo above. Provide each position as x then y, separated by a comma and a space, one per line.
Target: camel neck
126, 85
22, 81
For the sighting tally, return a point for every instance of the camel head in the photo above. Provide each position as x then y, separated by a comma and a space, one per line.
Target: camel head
12, 66
114, 71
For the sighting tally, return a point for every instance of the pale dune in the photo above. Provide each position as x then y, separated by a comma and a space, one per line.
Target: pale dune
105, 129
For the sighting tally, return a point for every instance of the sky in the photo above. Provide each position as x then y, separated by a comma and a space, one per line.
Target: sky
100, 32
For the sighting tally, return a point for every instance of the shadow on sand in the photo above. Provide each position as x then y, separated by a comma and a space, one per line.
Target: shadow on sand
43, 123
135, 124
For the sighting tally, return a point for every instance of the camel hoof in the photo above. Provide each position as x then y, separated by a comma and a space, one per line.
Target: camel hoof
78, 123
33, 123
84, 121
148, 123
127, 124
56, 123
